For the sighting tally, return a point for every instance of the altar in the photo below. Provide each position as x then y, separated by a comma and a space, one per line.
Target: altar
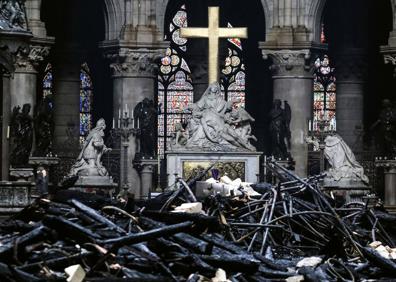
244, 165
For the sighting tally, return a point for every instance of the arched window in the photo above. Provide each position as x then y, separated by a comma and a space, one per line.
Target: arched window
175, 91
47, 81
324, 101
86, 95
233, 73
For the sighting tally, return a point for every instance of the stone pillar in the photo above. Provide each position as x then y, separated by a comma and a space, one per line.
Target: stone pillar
147, 169
5, 138
33, 11
67, 98
389, 166
350, 71
133, 80
293, 82
390, 187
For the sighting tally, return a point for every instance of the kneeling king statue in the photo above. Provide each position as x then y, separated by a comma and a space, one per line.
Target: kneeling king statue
89, 160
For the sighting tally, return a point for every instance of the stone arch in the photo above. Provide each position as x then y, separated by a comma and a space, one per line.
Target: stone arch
114, 19
267, 7
315, 13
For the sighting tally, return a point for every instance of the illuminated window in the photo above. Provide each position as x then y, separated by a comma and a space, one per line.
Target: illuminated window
324, 101
47, 81
85, 102
233, 74
175, 90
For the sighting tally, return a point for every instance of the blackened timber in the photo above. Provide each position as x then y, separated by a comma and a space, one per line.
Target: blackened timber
57, 263
176, 217
184, 239
148, 235
70, 229
24, 240
95, 215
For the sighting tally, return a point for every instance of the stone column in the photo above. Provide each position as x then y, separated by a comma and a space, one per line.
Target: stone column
293, 82
147, 169
67, 98
33, 11
133, 80
390, 187
350, 71
5, 114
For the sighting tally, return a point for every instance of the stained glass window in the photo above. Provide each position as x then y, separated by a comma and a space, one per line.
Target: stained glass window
233, 74
324, 100
47, 81
175, 90
85, 102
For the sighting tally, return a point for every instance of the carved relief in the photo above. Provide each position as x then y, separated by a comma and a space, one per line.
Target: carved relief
13, 15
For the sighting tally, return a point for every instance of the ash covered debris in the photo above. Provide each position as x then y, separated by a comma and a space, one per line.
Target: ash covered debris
288, 232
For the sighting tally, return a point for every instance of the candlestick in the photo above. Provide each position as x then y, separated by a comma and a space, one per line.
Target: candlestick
113, 123
8, 132
138, 123
119, 120
119, 113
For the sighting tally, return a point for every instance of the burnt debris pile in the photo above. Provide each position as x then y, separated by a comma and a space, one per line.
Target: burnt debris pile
288, 232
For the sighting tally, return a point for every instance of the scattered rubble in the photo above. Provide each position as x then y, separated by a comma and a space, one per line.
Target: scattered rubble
288, 232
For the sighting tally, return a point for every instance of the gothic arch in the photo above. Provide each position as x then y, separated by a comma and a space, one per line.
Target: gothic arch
315, 12
267, 7
114, 19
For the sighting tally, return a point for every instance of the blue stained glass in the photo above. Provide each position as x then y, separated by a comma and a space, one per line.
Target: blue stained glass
85, 102
47, 81
85, 124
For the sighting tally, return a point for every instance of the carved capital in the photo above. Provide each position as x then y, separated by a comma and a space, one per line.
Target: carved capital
289, 62
351, 65
135, 62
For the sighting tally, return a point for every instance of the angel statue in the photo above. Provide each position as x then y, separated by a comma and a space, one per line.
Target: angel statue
89, 160
341, 159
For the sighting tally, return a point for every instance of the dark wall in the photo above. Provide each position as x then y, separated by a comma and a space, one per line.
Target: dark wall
363, 24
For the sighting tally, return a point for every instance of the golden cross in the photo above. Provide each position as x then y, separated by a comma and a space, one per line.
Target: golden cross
213, 33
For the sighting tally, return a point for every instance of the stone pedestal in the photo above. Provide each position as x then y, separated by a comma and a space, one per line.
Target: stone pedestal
14, 196
180, 164
22, 174
390, 183
146, 168
350, 190
95, 184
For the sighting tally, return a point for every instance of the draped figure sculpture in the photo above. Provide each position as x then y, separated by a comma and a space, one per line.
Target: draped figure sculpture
215, 126
341, 159
89, 160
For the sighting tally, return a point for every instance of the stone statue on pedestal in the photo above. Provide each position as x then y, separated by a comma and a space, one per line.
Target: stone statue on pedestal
44, 127
215, 126
280, 129
21, 136
12, 14
145, 114
385, 128
341, 159
89, 160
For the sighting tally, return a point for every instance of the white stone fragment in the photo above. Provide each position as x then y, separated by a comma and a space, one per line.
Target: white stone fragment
383, 252
75, 272
309, 262
225, 179
297, 278
221, 276
189, 208
211, 180
375, 244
